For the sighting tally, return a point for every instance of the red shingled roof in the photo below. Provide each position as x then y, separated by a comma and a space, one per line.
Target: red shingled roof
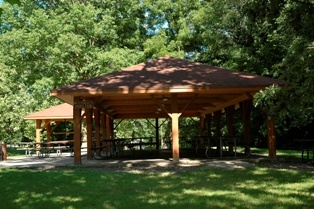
168, 73
59, 112
193, 88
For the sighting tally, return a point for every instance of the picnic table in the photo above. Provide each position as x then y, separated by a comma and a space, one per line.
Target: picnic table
108, 148
115, 147
43, 149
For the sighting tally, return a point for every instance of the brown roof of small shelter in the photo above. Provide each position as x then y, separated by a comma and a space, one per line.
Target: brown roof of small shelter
164, 85
59, 112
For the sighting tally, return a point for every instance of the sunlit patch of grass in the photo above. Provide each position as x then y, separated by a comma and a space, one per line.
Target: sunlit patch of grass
289, 154
81, 181
63, 199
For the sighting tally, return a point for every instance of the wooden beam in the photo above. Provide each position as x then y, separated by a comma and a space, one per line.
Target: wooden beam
47, 122
175, 136
202, 128
77, 134
160, 104
229, 117
122, 93
109, 128
89, 129
154, 115
246, 107
97, 126
57, 124
48, 128
188, 103
38, 130
157, 133
103, 125
104, 110
209, 125
234, 101
217, 121
127, 103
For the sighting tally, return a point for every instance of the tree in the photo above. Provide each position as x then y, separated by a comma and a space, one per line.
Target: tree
271, 38
169, 26
283, 47
12, 2
45, 45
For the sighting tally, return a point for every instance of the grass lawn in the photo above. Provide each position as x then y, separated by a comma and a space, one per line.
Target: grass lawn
287, 154
204, 187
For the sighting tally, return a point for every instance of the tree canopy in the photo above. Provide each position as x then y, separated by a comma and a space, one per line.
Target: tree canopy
45, 44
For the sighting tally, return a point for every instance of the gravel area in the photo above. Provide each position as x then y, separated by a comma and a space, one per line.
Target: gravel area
153, 165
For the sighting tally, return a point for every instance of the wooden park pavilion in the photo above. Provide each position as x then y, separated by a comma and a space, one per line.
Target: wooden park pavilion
161, 88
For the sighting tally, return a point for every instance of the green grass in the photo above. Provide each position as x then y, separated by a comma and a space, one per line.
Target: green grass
205, 187
288, 154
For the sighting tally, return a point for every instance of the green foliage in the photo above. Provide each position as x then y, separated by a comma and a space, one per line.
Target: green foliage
168, 24
287, 53
47, 44
12, 2
270, 38
12, 104
43, 47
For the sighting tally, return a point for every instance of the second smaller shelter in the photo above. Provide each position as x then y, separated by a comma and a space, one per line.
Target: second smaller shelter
59, 113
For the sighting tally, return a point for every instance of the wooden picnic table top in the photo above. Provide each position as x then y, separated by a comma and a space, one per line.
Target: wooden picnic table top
47, 143
60, 142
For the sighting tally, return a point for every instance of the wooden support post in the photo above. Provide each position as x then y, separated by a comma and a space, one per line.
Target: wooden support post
157, 134
103, 125
38, 130
271, 136
175, 127
208, 119
229, 116
217, 121
175, 136
77, 133
108, 131
209, 125
38, 134
48, 131
202, 129
89, 129
111, 128
97, 126
246, 107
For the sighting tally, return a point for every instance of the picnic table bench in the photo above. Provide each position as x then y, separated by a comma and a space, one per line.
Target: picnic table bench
205, 144
115, 147
60, 146
28, 147
140, 143
97, 152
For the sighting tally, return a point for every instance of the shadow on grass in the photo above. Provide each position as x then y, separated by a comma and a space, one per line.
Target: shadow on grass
201, 187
